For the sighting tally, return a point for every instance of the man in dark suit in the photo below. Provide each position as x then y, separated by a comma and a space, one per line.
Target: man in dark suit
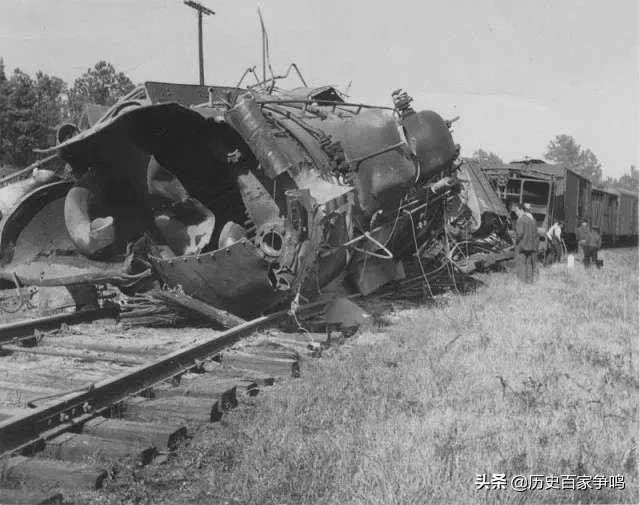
526, 245
582, 233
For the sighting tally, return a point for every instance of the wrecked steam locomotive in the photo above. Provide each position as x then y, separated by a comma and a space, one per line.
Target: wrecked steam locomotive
249, 198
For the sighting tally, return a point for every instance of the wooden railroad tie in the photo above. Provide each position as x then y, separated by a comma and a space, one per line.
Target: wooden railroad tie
78, 447
161, 436
277, 367
40, 472
177, 409
25, 497
207, 387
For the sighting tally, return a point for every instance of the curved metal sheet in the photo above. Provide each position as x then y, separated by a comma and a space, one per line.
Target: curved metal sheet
35, 245
48, 233
234, 279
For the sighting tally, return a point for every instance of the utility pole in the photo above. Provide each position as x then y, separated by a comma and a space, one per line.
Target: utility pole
201, 10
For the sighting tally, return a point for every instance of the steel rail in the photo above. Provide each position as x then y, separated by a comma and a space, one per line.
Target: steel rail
21, 432
9, 332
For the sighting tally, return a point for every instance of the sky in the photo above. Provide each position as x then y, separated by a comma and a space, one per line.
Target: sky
517, 72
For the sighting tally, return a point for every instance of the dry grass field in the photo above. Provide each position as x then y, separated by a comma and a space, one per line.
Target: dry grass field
537, 381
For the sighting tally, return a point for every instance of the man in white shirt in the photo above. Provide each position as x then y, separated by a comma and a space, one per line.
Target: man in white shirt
554, 236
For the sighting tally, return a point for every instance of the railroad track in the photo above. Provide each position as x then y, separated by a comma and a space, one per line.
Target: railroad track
141, 412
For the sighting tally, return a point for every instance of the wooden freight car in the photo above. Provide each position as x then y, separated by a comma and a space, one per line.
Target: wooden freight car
614, 213
627, 219
604, 213
553, 191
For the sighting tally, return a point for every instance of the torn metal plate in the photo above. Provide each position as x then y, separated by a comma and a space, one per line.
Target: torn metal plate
235, 278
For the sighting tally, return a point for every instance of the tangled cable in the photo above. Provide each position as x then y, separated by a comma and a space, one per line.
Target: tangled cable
20, 297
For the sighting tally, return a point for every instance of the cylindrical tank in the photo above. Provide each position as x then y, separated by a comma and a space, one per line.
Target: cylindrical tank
434, 144
247, 119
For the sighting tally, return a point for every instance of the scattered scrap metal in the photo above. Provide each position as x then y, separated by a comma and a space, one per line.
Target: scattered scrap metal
251, 199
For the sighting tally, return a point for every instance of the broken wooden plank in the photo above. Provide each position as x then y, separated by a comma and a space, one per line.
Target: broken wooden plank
161, 436
26, 497
40, 472
177, 409
272, 366
206, 387
78, 447
198, 307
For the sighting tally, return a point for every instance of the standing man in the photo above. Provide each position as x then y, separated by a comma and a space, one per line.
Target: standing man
526, 245
591, 248
554, 236
527, 211
582, 233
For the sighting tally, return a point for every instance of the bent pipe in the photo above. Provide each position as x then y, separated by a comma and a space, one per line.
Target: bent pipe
89, 236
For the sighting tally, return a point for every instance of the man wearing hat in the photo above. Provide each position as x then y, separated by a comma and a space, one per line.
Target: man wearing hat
526, 246
582, 233
592, 246
554, 237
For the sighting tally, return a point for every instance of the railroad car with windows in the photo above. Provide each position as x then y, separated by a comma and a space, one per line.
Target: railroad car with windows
553, 191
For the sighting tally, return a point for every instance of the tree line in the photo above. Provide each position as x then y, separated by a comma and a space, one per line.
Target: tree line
566, 151
31, 108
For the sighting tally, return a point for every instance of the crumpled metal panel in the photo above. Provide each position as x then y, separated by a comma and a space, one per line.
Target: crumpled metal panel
378, 156
234, 279
488, 199
476, 201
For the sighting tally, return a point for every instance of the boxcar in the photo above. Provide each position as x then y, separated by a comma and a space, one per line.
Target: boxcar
627, 217
604, 213
553, 191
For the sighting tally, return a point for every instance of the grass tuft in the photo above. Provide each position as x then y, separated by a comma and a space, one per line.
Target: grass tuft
511, 379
